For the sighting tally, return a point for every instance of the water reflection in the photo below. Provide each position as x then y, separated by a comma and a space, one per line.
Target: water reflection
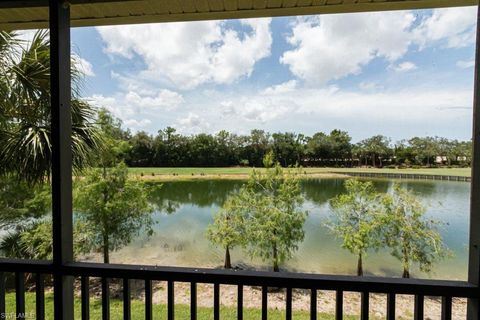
185, 208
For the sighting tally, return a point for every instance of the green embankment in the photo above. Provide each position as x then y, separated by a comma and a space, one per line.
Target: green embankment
240, 171
159, 310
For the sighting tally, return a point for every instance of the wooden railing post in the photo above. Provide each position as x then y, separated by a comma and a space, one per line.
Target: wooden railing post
61, 128
473, 310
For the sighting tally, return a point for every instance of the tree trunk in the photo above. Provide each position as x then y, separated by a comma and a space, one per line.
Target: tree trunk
275, 259
406, 263
228, 264
106, 256
373, 160
360, 265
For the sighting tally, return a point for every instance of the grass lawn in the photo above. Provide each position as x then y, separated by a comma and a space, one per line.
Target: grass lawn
240, 171
182, 312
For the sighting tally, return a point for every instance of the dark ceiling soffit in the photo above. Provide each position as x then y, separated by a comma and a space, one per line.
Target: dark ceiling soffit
12, 4
236, 14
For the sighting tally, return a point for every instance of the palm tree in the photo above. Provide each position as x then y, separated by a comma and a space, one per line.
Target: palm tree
25, 110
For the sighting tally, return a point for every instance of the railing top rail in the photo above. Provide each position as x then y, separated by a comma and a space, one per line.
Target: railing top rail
252, 278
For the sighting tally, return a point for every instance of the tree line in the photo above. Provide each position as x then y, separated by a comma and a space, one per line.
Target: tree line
168, 148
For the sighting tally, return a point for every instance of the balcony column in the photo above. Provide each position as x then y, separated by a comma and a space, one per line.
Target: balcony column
473, 310
60, 82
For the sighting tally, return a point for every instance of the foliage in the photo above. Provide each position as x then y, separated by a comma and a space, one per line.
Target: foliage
113, 207
25, 110
20, 203
412, 238
114, 144
275, 223
34, 241
354, 219
228, 229
170, 149
376, 147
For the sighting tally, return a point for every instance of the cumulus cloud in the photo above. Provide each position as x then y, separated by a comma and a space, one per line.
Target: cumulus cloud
136, 110
405, 112
138, 124
465, 64
191, 124
163, 100
454, 26
192, 53
331, 47
370, 85
84, 66
288, 86
404, 66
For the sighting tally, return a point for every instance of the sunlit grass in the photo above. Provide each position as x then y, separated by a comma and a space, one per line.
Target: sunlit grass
159, 310
232, 171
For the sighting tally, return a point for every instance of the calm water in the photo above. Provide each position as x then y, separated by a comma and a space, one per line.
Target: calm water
184, 209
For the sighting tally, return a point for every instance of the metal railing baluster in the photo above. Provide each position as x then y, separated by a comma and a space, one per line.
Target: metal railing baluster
264, 303
105, 299
339, 305
193, 301
216, 301
148, 300
40, 296
418, 307
288, 307
171, 300
446, 308
391, 304
365, 305
313, 304
239, 302
127, 303
20, 294
85, 297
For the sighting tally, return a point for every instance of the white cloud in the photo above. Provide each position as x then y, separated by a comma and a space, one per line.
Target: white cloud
163, 100
401, 113
227, 108
137, 124
331, 47
404, 66
191, 124
454, 26
465, 64
137, 110
84, 66
188, 54
288, 86
370, 86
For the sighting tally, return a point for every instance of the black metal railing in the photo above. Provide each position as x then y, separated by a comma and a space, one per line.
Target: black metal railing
392, 287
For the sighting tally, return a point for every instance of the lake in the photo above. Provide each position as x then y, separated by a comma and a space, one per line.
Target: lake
185, 208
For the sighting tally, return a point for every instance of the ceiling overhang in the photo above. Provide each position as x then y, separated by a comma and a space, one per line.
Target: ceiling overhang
33, 14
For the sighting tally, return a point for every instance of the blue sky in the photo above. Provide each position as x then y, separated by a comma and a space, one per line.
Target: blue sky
399, 73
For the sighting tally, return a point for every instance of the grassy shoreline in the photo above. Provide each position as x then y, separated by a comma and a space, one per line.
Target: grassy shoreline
231, 173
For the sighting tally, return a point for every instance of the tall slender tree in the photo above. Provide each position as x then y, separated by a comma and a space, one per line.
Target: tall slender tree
411, 236
354, 220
